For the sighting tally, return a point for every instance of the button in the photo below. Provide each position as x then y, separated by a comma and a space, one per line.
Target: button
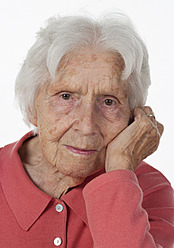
57, 241
59, 208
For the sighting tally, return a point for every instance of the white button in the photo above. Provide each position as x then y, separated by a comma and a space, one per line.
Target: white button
59, 208
57, 241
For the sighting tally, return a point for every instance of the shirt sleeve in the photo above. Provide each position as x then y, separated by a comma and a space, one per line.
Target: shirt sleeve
117, 217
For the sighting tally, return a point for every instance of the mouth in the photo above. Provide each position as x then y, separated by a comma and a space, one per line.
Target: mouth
80, 151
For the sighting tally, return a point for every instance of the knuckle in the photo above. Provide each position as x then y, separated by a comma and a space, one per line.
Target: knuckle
148, 109
160, 128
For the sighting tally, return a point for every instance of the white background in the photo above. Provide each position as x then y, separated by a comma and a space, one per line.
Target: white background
154, 20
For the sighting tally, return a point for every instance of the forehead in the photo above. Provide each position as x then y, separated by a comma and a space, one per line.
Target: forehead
89, 59
87, 69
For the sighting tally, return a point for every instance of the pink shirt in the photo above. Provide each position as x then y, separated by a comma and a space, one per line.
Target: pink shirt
119, 209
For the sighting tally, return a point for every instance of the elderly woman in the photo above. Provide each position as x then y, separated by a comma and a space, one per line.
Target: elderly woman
78, 180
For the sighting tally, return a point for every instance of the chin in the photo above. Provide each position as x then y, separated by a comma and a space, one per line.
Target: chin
75, 165
80, 170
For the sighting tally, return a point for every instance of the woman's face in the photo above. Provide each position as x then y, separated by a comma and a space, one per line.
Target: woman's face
79, 114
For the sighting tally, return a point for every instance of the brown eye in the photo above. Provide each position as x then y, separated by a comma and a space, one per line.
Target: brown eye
109, 102
66, 96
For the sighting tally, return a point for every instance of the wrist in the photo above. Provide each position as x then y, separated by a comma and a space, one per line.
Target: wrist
118, 163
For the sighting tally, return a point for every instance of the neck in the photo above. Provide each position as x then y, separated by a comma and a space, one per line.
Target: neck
45, 176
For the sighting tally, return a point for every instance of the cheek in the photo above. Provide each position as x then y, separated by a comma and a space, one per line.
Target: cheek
59, 109
112, 129
111, 114
56, 122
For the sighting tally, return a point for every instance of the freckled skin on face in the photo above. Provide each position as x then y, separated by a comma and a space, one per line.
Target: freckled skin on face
86, 108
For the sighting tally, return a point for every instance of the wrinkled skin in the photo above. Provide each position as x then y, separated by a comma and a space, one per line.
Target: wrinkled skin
83, 120
136, 142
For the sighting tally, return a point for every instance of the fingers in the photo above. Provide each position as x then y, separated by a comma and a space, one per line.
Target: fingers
137, 141
150, 133
148, 114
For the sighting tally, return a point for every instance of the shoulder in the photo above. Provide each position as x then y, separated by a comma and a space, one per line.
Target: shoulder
157, 190
6, 154
6, 150
9, 153
11, 149
149, 176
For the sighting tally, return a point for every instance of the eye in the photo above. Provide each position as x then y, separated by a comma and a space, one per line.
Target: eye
109, 102
66, 96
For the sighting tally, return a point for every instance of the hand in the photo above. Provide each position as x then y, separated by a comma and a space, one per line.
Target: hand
135, 143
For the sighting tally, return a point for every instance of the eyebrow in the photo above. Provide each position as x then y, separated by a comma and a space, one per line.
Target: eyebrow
108, 90
119, 96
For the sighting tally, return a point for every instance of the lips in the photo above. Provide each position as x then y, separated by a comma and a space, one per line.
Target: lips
80, 151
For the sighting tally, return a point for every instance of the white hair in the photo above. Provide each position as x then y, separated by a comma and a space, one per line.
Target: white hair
62, 35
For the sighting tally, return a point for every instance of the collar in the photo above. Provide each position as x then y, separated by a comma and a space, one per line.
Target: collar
26, 201
75, 200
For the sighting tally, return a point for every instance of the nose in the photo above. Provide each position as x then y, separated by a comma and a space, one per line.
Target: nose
86, 122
